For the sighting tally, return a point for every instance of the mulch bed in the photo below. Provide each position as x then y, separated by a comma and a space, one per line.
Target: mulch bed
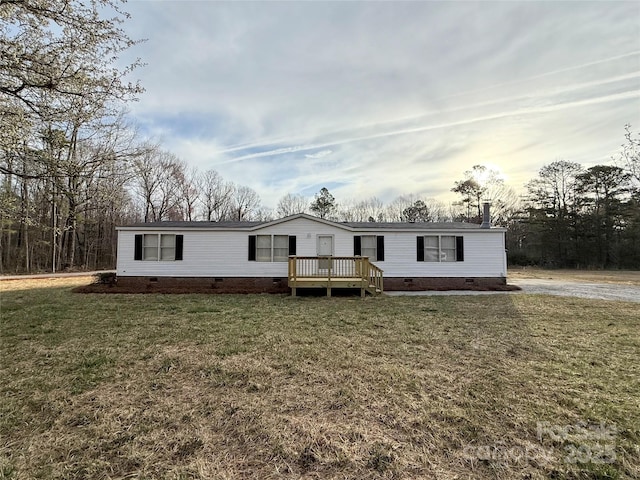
114, 288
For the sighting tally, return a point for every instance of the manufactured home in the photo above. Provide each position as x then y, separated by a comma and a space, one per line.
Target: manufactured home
302, 251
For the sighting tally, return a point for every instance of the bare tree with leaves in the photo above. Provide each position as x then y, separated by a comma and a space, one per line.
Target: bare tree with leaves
55, 52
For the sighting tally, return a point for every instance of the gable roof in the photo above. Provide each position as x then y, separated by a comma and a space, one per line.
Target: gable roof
350, 226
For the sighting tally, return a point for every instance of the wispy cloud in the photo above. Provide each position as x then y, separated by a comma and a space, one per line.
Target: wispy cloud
555, 107
321, 154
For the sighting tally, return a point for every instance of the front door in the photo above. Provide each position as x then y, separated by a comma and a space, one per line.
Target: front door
325, 249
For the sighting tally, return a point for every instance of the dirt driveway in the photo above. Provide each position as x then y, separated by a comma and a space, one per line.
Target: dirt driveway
604, 291
565, 288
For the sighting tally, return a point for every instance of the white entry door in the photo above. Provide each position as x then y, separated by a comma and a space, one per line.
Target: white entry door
325, 249
325, 245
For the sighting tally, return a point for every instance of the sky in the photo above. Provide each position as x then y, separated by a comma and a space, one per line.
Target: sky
384, 98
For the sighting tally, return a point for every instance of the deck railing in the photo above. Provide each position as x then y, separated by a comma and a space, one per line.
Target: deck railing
335, 271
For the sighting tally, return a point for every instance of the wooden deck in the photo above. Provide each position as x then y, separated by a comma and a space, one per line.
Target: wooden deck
335, 272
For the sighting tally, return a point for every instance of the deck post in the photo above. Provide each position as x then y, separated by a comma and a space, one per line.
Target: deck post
329, 264
292, 275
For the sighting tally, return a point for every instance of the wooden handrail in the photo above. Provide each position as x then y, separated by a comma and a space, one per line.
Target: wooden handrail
335, 268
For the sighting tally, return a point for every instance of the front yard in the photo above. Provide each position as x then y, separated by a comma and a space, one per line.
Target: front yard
263, 386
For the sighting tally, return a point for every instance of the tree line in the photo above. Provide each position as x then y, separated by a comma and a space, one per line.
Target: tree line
578, 217
72, 167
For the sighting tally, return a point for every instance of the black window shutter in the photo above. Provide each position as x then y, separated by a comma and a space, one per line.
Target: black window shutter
459, 249
252, 248
137, 250
357, 245
380, 248
179, 244
292, 245
421, 249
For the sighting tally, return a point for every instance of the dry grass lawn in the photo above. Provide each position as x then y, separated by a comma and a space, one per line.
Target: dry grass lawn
264, 386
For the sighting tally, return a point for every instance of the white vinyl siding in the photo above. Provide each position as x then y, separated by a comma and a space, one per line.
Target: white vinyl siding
212, 253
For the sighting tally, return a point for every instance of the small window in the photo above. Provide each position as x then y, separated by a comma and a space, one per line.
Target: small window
447, 249
167, 247
150, 245
432, 248
263, 248
371, 246
368, 246
280, 248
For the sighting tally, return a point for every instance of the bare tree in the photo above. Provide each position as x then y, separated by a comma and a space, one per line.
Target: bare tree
554, 190
189, 190
346, 212
158, 180
372, 209
291, 204
437, 210
368, 210
215, 197
167, 204
630, 155
245, 202
395, 209
263, 214
147, 176
505, 203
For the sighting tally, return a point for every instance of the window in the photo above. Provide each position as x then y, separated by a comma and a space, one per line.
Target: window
271, 248
280, 248
150, 251
158, 247
447, 249
167, 247
368, 246
432, 249
371, 246
263, 248
440, 248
